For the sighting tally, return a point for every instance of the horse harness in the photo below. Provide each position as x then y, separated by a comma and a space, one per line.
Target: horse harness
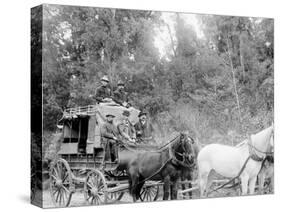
253, 151
252, 155
178, 162
171, 158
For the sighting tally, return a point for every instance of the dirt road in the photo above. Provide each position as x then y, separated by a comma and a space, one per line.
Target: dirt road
78, 199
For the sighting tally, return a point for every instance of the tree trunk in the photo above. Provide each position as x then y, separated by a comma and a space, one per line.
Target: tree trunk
241, 56
234, 81
172, 40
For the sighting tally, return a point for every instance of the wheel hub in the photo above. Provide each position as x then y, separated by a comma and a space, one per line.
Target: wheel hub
59, 183
94, 191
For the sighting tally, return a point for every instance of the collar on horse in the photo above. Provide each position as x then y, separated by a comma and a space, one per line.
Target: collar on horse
253, 151
171, 158
177, 162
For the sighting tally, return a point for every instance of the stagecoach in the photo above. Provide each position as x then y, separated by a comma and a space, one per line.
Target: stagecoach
81, 164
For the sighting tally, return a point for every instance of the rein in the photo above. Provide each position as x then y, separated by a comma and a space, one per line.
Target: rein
250, 143
232, 179
124, 144
184, 164
252, 155
171, 158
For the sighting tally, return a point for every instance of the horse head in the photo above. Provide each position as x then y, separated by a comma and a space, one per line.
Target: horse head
184, 150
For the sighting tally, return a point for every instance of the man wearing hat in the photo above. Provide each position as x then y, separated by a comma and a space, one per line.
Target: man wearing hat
120, 96
144, 129
126, 129
103, 92
109, 136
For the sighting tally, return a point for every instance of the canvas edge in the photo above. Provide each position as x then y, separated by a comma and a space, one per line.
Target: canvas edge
36, 24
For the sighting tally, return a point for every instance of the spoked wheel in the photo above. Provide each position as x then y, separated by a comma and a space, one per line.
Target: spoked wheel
149, 193
61, 183
115, 196
115, 176
95, 188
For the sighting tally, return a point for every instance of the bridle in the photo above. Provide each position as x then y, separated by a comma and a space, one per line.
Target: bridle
185, 162
172, 158
253, 150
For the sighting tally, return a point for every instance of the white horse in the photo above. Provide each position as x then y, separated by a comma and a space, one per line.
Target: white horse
228, 161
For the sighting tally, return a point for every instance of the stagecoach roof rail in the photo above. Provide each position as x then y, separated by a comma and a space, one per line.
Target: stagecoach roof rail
80, 111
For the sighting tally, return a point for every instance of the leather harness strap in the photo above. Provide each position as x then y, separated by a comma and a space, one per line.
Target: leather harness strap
253, 155
171, 158
253, 151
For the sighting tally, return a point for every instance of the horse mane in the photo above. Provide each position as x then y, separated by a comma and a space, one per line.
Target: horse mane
242, 143
255, 136
265, 132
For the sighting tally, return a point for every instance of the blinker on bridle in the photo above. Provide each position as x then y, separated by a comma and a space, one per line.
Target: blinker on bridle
185, 161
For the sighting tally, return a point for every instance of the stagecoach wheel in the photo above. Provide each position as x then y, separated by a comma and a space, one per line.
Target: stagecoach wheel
61, 183
95, 188
115, 196
149, 193
115, 175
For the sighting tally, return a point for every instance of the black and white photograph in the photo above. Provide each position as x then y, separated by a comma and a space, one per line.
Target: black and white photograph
131, 106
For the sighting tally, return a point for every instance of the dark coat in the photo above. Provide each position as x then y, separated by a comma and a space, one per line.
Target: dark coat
120, 96
144, 131
108, 131
103, 92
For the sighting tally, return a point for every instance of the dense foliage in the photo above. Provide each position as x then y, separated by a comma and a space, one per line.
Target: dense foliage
219, 87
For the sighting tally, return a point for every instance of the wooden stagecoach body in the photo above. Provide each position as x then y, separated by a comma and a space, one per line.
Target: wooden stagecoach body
81, 164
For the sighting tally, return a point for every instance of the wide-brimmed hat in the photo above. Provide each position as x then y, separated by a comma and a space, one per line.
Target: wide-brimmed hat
142, 113
126, 113
120, 82
110, 115
105, 78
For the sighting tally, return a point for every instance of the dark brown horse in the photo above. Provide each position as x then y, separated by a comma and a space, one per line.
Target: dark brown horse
165, 164
190, 173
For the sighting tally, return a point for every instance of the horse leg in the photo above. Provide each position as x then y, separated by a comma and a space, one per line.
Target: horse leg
173, 190
203, 181
244, 184
261, 182
183, 184
271, 185
252, 185
133, 183
189, 178
203, 174
139, 187
166, 188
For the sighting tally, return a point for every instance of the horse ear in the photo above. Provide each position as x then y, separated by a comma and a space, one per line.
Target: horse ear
192, 140
181, 135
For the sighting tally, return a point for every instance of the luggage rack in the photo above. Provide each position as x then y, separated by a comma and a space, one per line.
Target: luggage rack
80, 111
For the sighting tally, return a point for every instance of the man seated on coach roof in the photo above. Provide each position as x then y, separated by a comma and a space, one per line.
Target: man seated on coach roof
109, 135
144, 129
103, 92
120, 96
126, 129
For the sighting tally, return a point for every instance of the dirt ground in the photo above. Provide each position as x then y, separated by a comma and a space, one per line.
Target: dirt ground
78, 197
